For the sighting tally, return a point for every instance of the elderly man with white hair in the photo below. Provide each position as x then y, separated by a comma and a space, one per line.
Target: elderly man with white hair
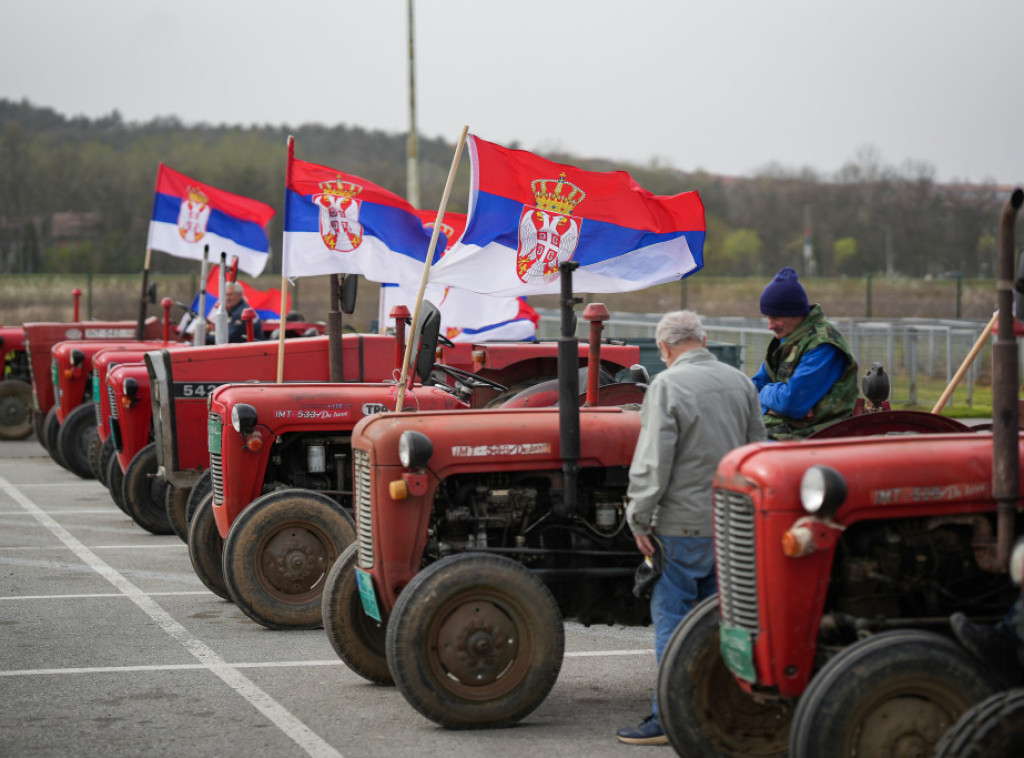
235, 303
694, 412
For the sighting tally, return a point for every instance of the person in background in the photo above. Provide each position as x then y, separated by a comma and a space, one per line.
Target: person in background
809, 376
235, 303
693, 413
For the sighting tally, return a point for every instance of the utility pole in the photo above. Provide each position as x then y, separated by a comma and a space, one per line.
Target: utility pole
412, 151
809, 267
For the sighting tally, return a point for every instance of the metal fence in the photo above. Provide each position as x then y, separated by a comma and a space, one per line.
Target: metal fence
920, 355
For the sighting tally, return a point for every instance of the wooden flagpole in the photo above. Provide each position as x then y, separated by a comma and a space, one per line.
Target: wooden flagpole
404, 380
284, 282
140, 329
979, 343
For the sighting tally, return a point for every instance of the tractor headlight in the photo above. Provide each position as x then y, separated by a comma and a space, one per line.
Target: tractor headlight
822, 491
131, 387
414, 449
243, 418
77, 358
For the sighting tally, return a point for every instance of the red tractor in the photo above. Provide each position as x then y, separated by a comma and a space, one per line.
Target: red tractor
277, 516
15, 385
839, 564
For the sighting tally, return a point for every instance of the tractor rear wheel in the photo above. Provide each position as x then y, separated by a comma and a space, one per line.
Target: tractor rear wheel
278, 552
358, 639
15, 409
475, 642
95, 452
206, 547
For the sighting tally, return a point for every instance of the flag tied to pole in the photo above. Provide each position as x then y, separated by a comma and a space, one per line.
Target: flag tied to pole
337, 223
188, 215
465, 316
528, 215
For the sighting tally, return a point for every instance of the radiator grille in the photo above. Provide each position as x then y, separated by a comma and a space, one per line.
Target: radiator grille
96, 392
361, 501
216, 472
736, 559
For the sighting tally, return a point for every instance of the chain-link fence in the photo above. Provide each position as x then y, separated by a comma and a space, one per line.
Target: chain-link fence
920, 355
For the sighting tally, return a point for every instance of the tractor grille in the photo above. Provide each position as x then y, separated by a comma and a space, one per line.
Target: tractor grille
55, 378
361, 501
96, 395
216, 471
736, 559
113, 402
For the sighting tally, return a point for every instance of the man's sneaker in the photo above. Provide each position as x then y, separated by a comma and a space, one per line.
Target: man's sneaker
648, 732
992, 645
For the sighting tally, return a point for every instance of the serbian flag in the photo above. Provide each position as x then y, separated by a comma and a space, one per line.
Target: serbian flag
485, 317
336, 223
527, 215
267, 303
189, 215
498, 319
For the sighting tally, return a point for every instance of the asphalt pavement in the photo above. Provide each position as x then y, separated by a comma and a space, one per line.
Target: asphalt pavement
111, 646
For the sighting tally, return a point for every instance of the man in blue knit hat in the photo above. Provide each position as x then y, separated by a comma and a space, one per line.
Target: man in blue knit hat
809, 376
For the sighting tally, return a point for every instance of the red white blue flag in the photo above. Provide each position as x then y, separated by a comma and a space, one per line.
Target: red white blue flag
337, 223
465, 316
528, 215
189, 215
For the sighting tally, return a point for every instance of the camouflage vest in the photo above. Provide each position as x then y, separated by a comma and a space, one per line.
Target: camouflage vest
780, 363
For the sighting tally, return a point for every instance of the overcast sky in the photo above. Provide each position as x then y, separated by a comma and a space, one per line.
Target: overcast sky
725, 86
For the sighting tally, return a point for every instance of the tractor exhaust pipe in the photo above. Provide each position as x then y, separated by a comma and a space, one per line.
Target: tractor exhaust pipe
568, 394
1005, 386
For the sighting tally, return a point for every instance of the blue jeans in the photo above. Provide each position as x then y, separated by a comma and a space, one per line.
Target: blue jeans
687, 578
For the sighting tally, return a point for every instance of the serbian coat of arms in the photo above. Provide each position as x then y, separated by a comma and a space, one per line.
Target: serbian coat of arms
548, 233
339, 215
193, 215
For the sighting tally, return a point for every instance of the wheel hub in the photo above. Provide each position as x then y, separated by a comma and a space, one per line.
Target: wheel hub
477, 643
12, 411
294, 560
903, 727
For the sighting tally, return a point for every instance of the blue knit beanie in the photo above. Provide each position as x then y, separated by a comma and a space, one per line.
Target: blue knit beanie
784, 296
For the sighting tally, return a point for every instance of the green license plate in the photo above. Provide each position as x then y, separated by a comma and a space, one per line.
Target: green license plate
737, 651
213, 434
367, 595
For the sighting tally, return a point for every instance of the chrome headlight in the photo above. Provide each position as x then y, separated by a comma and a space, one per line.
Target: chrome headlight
822, 491
414, 449
243, 418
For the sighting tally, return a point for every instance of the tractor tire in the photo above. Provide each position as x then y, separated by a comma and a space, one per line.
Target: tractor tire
278, 552
15, 409
175, 500
202, 488
205, 548
516, 633
701, 707
74, 436
358, 639
892, 694
95, 452
51, 428
995, 726
106, 453
115, 482
144, 492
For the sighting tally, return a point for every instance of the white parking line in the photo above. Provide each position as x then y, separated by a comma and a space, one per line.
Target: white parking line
291, 726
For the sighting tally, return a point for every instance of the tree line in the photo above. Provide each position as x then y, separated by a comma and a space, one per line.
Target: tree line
76, 194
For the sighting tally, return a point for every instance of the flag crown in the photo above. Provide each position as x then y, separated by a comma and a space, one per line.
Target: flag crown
557, 195
196, 195
340, 188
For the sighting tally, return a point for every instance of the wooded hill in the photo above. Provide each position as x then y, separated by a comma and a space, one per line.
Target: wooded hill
76, 195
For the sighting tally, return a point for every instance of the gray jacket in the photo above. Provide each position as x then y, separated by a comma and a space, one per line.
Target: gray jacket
694, 413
